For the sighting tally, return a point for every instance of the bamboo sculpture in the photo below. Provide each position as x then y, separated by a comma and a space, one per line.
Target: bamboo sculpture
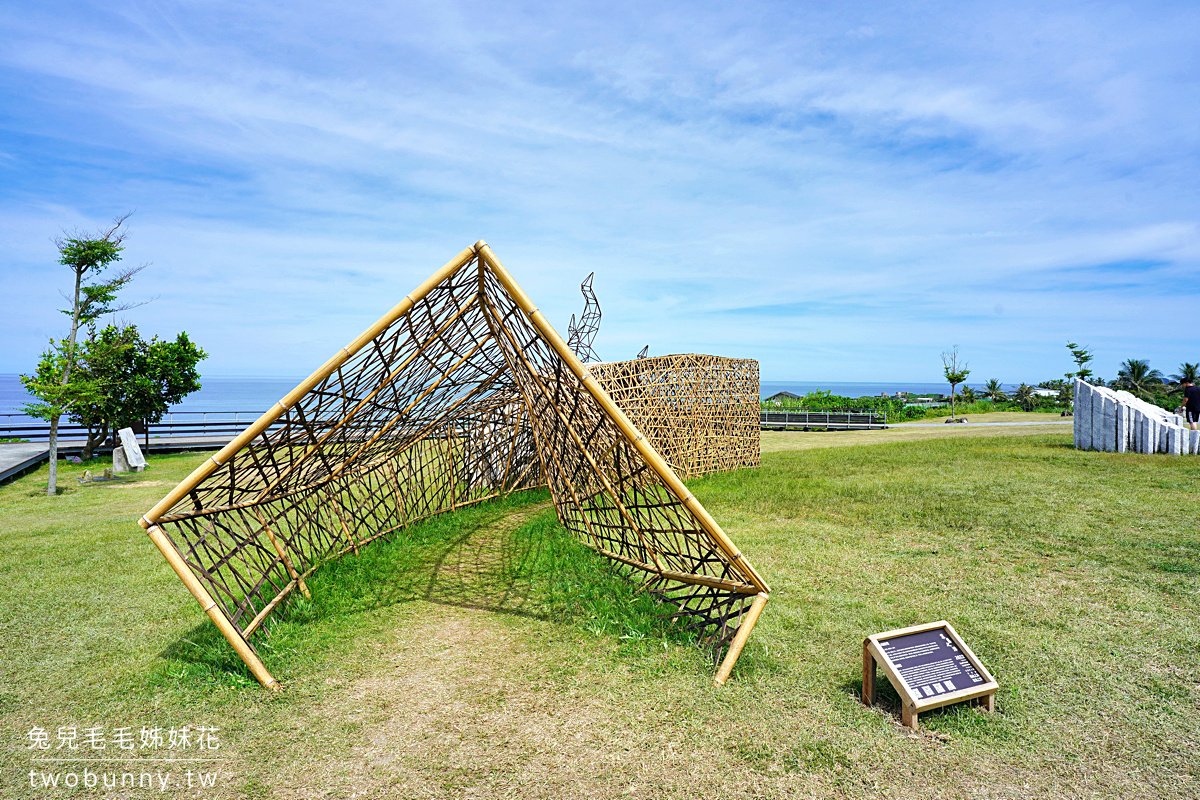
700, 412
461, 393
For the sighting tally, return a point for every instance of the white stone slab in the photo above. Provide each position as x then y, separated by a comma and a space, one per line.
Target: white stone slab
1097, 411
1109, 424
1195, 437
120, 462
1122, 428
132, 452
1083, 408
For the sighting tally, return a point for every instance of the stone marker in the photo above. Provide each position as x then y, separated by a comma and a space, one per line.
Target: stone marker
120, 461
133, 453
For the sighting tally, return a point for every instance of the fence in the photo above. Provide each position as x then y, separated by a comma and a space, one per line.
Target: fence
830, 420
174, 425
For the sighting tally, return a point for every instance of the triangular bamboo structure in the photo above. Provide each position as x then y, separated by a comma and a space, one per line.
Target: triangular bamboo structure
460, 393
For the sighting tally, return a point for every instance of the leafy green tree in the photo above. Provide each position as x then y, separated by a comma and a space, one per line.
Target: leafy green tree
1187, 372
993, 390
1025, 396
54, 382
955, 372
968, 395
135, 380
1082, 356
1135, 376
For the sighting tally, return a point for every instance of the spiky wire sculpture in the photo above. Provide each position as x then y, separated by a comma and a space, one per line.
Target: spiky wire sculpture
580, 336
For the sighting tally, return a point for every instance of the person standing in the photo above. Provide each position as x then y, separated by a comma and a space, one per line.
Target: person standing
1191, 403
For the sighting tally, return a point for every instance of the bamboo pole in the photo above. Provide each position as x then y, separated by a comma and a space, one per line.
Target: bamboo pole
338, 510
739, 639
214, 612
287, 562
629, 520
275, 412
320, 441
680, 577
639, 442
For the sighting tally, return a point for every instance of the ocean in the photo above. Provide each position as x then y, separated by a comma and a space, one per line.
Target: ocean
255, 395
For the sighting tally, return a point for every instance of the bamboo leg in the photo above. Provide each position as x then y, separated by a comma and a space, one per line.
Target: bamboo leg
868, 689
227, 628
739, 640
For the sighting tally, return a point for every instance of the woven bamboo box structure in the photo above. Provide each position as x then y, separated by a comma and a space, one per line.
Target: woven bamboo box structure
700, 412
461, 393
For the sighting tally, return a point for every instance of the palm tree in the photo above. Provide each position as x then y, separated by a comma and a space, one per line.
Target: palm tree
1136, 376
992, 390
1187, 372
1025, 396
967, 395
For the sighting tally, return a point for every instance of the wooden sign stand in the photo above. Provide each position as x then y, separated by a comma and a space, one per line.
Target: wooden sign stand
960, 662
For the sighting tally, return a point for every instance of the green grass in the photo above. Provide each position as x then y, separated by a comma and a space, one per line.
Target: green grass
487, 652
506, 556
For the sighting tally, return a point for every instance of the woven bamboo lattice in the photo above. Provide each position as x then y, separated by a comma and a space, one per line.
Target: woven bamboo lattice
699, 412
460, 393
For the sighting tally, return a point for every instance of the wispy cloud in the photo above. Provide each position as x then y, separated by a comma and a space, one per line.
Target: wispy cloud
860, 180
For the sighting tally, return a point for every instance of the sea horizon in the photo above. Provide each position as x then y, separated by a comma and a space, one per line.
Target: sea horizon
229, 393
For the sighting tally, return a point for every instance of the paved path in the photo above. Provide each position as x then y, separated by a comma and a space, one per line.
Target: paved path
15, 459
977, 424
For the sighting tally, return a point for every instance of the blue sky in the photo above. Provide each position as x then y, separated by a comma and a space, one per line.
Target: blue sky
841, 191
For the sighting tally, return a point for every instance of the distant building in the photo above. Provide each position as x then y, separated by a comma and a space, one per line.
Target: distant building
780, 396
1046, 392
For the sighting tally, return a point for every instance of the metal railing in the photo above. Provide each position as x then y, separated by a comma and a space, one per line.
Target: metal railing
829, 420
174, 425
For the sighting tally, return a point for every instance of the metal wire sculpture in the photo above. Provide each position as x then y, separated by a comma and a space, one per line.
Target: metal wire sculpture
700, 412
645, 351
461, 393
581, 337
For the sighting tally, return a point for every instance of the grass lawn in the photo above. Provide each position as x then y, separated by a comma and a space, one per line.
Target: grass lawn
486, 655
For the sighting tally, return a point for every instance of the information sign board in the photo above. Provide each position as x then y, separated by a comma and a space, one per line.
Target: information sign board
929, 666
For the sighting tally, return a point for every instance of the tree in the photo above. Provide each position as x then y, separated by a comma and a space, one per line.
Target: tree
1082, 356
55, 382
1025, 396
135, 380
1136, 376
994, 391
955, 372
968, 395
1187, 372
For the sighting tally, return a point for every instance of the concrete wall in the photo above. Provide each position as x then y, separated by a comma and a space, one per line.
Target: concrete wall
1118, 422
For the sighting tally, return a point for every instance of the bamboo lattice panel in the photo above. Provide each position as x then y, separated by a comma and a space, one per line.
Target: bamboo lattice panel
700, 412
460, 394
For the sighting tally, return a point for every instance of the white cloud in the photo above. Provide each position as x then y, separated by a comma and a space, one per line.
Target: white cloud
292, 167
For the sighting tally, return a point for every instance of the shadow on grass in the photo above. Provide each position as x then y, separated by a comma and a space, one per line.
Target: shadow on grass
966, 719
509, 556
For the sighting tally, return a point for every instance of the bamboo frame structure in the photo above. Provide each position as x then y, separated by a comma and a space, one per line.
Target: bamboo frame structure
461, 393
699, 411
